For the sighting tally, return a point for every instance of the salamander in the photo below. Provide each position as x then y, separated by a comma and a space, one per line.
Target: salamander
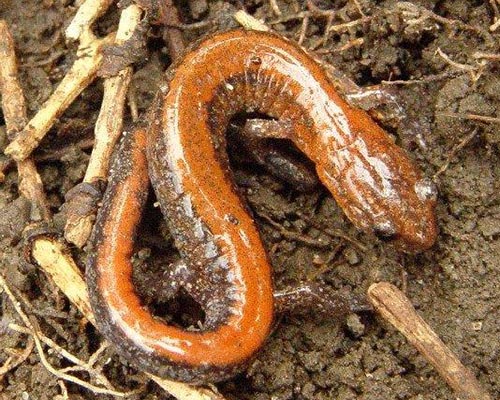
224, 265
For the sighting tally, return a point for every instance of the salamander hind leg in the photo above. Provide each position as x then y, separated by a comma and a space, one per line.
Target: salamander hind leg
314, 297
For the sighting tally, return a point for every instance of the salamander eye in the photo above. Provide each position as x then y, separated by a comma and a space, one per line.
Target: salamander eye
385, 231
426, 190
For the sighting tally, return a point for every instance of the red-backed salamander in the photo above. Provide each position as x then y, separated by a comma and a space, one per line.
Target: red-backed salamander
224, 265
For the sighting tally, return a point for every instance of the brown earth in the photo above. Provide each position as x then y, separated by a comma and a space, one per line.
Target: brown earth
455, 285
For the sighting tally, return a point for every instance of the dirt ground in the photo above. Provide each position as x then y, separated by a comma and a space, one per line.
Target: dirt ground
454, 286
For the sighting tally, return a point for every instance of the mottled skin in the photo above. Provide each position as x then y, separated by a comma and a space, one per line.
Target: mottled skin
224, 265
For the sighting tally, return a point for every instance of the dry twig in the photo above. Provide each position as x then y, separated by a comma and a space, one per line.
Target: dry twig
475, 71
358, 6
486, 56
463, 67
351, 43
275, 8
395, 307
88, 12
348, 25
86, 366
316, 11
472, 117
55, 260
64, 392
496, 15
303, 30
81, 74
332, 232
107, 131
14, 111
455, 151
424, 80
249, 22
17, 359
414, 14
32, 329
296, 236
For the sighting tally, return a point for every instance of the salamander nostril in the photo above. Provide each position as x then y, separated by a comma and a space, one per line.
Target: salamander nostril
385, 231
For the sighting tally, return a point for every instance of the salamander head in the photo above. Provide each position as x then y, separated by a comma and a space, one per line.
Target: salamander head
395, 203
414, 229
408, 222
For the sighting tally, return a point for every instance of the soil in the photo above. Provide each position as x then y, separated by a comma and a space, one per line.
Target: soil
454, 286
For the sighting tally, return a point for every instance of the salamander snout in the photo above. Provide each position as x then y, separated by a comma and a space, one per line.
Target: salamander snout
413, 226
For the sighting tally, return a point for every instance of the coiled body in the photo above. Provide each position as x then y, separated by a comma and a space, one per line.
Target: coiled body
225, 267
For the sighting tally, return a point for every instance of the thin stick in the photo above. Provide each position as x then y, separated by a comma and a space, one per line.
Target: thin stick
317, 11
56, 261
495, 25
412, 11
358, 6
33, 330
14, 111
79, 364
396, 308
349, 44
81, 74
463, 67
307, 240
49, 342
53, 257
108, 128
64, 391
472, 117
303, 30
88, 12
12, 362
347, 25
249, 22
331, 232
455, 151
425, 80
275, 8
496, 16
486, 56
182, 391
110, 120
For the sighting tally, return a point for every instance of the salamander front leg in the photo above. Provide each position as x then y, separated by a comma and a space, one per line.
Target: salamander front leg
267, 143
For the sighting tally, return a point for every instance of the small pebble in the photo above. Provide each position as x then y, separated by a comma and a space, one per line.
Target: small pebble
477, 326
352, 256
318, 260
355, 326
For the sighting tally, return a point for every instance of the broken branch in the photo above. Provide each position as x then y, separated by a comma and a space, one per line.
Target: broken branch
396, 308
107, 131
81, 75
14, 111
55, 260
